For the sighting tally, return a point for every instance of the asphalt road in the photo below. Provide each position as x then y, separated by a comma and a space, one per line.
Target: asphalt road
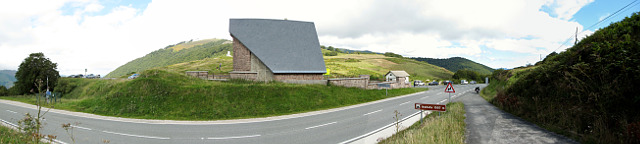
331, 127
487, 124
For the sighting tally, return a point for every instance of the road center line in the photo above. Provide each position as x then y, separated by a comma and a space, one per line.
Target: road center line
405, 102
84, 128
11, 111
372, 112
321, 125
233, 137
140, 136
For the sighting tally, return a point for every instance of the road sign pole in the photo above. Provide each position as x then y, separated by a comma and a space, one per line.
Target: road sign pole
449, 98
421, 119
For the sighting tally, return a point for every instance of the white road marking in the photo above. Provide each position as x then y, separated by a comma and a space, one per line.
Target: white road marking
11, 111
84, 128
405, 102
9, 123
233, 137
140, 136
372, 112
321, 125
59, 141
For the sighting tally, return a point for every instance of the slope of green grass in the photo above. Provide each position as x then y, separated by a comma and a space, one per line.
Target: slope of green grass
159, 94
588, 92
208, 64
457, 63
376, 65
448, 128
173, 55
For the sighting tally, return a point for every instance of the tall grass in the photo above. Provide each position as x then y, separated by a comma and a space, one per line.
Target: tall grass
448, 128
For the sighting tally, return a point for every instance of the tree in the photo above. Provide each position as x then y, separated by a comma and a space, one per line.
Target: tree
35, 73
390, 54
3, 91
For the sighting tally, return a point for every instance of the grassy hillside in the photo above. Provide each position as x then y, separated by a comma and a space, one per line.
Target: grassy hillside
7, 77
457, 63
159, 94
588, 92
208, 64
376, 65
173, 54
343, 65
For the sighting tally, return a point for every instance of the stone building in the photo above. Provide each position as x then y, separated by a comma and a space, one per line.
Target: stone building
397, 77
280, 50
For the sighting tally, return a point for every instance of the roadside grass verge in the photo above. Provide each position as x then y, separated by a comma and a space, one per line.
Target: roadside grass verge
12, 136
448, 128
159, 94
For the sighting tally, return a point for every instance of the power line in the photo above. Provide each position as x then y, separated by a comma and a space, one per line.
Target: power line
611, 15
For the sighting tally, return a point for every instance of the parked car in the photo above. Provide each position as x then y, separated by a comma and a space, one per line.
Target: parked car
446, 82
473, 82
464, 82
433, 83
418, 83
90, 76
133, 76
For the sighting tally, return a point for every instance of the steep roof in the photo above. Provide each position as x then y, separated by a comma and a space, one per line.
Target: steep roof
399, 73
284, 46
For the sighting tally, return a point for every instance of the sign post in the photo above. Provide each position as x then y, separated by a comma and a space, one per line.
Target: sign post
386, 86
430, 107
449, 89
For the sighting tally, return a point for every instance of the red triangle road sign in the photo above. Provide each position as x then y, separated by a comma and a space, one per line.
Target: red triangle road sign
449, 89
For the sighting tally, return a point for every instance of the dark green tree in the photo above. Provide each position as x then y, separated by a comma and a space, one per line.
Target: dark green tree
3, 91
390, 54
35, 73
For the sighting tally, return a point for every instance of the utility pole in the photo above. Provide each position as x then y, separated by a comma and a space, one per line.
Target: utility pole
576, 37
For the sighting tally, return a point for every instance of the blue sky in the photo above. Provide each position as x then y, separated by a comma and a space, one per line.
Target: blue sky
101, 35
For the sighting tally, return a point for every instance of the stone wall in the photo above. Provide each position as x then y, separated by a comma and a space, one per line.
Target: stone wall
243, 75
283, 77
241, 56
198, 74
350, 82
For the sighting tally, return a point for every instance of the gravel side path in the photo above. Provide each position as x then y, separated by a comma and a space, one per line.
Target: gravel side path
488, 124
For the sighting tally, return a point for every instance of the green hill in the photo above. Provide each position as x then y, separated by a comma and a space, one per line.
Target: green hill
588, 92
457, 63
376, 65
173, 54
7, 77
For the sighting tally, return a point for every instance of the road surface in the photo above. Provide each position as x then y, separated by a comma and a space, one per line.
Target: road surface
487, 124
329, 126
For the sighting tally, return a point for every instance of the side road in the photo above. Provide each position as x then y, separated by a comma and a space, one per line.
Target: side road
488, 124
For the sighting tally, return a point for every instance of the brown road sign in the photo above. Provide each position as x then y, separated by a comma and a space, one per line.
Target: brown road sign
431, 107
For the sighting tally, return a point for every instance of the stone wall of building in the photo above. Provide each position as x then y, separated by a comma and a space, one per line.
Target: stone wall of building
241, 56
282, 77
263, 72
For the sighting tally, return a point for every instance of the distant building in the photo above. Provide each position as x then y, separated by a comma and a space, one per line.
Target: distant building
397, 76
281, 50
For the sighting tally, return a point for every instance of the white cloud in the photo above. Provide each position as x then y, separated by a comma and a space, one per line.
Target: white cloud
565, 9
432, 28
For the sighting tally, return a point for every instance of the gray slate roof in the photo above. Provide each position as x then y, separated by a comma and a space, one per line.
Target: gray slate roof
284, 46
399, 73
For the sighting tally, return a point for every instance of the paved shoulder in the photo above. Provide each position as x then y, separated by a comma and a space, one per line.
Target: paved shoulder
488, 124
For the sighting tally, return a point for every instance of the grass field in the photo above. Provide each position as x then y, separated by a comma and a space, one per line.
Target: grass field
448, 128
376, 65
159, 94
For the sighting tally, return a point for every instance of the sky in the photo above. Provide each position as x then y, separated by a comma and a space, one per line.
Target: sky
101, 35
